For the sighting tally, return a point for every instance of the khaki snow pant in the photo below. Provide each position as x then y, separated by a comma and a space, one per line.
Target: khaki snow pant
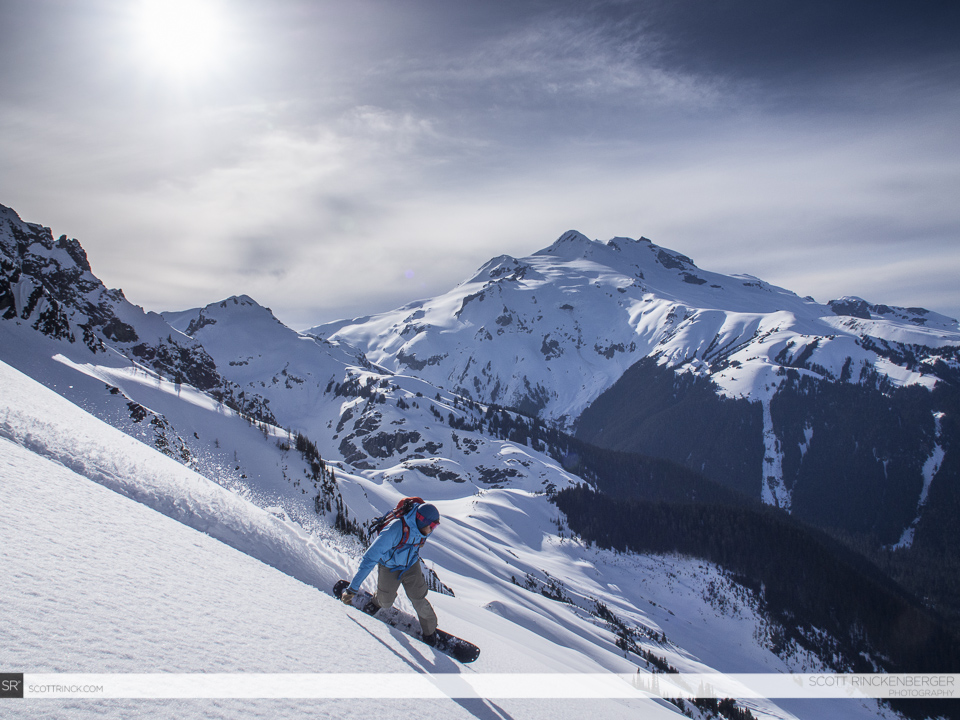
414, 584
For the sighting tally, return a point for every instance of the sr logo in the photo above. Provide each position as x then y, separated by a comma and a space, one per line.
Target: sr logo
11, 685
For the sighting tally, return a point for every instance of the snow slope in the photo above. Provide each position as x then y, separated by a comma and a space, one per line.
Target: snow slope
105, 579
96, 582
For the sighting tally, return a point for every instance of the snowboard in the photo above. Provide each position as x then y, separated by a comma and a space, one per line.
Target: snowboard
448, 644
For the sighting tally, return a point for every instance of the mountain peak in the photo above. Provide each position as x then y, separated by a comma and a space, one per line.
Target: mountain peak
498, 266
573, 236
236, 309
243, 300
239, 306
574, 245
570, 243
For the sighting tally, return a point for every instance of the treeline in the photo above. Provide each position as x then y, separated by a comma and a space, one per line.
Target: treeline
639, 477
652, 410
854, 454
932, 576
861, 476
804, 580
625, 474
328, 499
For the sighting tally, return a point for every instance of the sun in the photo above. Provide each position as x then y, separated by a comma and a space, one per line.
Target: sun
180, 37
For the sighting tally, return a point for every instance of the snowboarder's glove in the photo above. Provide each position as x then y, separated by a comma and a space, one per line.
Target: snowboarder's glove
348, 596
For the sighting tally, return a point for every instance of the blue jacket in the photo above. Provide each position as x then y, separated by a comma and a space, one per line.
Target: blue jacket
384, 550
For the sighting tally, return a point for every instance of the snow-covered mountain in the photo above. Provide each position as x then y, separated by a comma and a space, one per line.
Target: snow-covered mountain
615, 340
262, 452
288, 372
547, 334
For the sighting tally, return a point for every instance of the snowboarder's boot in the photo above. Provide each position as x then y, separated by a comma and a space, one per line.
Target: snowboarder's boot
371, 607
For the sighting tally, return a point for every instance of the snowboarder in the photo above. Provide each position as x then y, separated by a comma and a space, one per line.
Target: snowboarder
396, 553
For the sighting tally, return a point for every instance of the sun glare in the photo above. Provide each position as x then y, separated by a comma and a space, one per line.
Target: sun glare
180, 37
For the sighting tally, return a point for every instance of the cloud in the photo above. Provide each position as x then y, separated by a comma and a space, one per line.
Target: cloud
555, 64
355, 145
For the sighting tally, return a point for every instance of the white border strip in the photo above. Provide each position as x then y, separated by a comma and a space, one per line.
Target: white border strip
488, 686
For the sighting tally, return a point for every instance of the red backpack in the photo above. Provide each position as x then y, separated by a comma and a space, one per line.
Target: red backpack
400, 511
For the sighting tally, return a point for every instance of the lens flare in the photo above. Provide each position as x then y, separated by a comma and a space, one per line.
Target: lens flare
180, 37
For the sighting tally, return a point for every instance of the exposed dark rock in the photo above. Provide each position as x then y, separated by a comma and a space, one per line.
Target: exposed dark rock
383, 445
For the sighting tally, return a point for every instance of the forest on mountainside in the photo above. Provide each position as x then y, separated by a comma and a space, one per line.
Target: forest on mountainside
823, 596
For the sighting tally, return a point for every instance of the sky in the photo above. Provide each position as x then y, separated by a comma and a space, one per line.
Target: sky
336, 159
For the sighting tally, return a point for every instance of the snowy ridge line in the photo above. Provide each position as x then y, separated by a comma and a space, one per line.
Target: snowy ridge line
109, 457
491, 686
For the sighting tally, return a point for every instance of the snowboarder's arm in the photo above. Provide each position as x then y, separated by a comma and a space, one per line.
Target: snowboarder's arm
378, 552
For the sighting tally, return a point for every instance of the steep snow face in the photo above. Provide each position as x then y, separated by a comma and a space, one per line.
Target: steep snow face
154, 381
549, 333
39, 420
114, 534
103, 584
